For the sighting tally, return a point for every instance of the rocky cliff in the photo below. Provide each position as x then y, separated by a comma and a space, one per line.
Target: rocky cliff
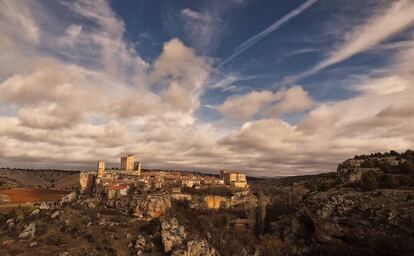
347, 217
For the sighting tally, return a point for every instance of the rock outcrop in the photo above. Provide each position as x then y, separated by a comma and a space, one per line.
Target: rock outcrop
347, 215
44, 206
150, 207
142, 244
70, 198
173, 234
28, 232
55, 214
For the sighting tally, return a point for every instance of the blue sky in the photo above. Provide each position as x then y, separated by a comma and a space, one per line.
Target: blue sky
269, 87
295, 47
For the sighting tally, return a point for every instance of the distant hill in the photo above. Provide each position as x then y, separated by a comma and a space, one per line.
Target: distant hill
53, 179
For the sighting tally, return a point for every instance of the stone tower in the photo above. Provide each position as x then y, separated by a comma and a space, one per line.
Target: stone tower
127, 163
137, 168
101, 169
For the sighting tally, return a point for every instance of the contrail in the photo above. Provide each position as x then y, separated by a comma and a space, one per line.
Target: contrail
252, 41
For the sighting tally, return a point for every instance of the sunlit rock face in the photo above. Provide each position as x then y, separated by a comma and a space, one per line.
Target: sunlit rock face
151, 206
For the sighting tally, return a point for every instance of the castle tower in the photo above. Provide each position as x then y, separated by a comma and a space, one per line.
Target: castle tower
127, 163
137, 168
101, 169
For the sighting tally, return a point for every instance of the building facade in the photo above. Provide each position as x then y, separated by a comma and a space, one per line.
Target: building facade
101, 169
234, 179
137, 168
127, 163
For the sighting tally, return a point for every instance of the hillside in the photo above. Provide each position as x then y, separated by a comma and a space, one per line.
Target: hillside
361, 209
52, 179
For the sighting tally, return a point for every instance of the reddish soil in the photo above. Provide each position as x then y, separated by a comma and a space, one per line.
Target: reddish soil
23, 195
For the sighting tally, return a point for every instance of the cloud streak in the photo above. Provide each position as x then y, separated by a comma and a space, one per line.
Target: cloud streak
396, 18
253, 40
389, 21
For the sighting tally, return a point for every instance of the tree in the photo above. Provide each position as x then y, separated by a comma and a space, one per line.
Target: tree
369, 181
368, 164
388, 181
407, 166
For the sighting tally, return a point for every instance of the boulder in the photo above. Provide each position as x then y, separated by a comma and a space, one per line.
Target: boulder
90, 203
44, 206
142, 244
28, 232
70, 198
173, 234
55, 214
35, 212
10, 223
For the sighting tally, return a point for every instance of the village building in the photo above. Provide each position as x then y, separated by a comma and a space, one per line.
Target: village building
127, 163
101, 169
234, 178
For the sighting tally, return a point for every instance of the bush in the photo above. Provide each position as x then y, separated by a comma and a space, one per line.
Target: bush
406, 180
407, 166
368, 164
388, 181
325, 186
272, 246
369, 181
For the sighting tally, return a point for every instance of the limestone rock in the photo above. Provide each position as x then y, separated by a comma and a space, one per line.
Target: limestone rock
70, 198
10, 223
28, 232
142, 244
150, 207
90, 203
33, 244
345, 214
44, 206
55, 214
173, 234
196, 247
35, 212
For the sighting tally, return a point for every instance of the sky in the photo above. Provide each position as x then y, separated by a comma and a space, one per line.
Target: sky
269, 87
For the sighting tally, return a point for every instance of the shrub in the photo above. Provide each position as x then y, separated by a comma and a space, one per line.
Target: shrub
388, 181
407, 166
325, 186
369, 181
368, 164
272, 246
406, 180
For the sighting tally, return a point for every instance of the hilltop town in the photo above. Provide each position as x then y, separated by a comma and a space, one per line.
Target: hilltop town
149, 194
364, 208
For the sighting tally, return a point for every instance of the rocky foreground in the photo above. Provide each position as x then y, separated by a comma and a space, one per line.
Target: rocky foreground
365, 208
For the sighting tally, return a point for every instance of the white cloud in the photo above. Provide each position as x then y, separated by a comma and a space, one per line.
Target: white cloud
246, 106
15, 17
266, 103
392, 18
196, 15
203, 28
275, 26
293, 100
181, 74
96, 98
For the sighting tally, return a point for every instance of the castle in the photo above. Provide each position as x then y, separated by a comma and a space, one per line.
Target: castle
115, 184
